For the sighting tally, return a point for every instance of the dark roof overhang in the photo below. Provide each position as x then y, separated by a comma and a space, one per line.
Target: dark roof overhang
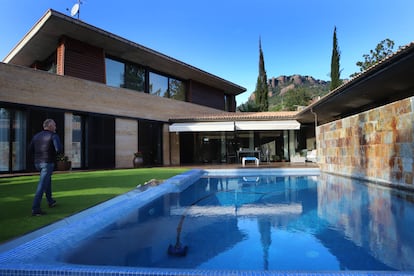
389, 80
43, 38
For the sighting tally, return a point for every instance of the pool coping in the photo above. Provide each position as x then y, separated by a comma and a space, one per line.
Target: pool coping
21, 256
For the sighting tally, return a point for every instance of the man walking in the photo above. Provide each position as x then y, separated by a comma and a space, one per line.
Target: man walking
44, 146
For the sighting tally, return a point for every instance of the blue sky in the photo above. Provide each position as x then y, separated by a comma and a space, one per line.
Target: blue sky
221, 36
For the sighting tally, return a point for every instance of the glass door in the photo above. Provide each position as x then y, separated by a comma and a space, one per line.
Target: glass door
4, 140
77, 145
19, 141
12, 140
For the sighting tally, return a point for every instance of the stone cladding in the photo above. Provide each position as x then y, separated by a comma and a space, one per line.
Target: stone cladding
376, 145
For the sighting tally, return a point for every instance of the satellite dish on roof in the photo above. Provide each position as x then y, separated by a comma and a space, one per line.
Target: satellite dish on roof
75, 10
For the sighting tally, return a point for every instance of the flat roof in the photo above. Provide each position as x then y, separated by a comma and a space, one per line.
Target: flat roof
43, 38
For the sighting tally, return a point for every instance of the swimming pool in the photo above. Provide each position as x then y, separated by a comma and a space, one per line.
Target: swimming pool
248, 221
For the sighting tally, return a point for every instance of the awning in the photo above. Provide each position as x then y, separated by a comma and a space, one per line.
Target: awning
202, 126
267, 125
232, 126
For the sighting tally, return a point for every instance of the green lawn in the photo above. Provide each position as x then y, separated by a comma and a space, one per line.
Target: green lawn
73, 191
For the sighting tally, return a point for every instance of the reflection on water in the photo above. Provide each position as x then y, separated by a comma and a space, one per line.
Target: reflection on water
375, 219
264, 223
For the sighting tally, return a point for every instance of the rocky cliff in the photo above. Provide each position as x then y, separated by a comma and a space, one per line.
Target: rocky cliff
283, 84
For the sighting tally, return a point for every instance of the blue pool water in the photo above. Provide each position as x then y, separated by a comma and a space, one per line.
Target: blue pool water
257, 222
250, 222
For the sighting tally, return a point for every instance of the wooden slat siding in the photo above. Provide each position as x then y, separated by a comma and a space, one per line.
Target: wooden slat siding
206, 95
83, 61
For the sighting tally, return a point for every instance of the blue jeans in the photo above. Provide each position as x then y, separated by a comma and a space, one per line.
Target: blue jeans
44, 185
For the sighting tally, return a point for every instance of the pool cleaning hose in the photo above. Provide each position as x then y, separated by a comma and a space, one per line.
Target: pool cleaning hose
178, 249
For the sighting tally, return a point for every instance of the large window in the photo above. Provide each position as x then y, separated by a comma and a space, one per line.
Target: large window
114, 72
100, 139
166, 87
19, 141
126, 75
176, 89
77, 141
222, 147
150, 142
158, 85
136, 77
12, 140
4, 139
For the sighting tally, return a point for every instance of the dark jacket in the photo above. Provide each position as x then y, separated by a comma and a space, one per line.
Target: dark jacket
44, 146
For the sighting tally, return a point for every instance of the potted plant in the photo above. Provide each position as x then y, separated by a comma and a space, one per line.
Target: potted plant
138, 160
62, 162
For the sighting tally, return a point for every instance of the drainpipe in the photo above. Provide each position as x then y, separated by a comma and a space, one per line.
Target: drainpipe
412, 104
316, 117
169, 144
316, 125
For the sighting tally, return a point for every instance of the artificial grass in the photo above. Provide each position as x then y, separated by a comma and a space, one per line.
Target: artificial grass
73, 191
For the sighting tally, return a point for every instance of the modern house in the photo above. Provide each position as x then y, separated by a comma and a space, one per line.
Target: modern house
112, 97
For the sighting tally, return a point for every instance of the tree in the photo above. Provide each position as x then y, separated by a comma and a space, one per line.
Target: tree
383, 50
134, 77
295, 98
249, 106
177, 90
335, 72
261, 93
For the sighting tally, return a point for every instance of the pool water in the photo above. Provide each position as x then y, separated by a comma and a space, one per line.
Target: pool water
259, 222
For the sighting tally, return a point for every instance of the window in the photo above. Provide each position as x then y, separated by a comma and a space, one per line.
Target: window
12, 140
166, 87
100, 142
158, 85
19, 141
4, 139
150, 142
136, 77
48, 64
77, 141
114, 72
177, 89
126, 75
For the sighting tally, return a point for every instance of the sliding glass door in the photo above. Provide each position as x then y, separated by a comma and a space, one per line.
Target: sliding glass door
12, 140
5, 140
19, 141
77, 142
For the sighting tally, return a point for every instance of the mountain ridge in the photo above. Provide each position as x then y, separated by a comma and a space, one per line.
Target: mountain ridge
279, 86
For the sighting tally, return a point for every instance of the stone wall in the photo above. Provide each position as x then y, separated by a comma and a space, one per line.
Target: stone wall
375, 145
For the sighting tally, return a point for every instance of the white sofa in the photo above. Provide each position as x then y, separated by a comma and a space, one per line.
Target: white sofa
311, 155
297, 159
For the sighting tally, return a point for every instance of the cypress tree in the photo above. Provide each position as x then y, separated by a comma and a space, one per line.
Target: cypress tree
262, 100
335, 72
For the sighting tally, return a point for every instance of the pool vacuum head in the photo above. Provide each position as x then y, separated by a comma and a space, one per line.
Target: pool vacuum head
177, 250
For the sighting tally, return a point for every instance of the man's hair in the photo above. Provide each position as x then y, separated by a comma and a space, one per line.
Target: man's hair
47, 123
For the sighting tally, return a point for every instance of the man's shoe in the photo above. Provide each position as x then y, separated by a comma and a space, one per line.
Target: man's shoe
38, 213
52, 204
